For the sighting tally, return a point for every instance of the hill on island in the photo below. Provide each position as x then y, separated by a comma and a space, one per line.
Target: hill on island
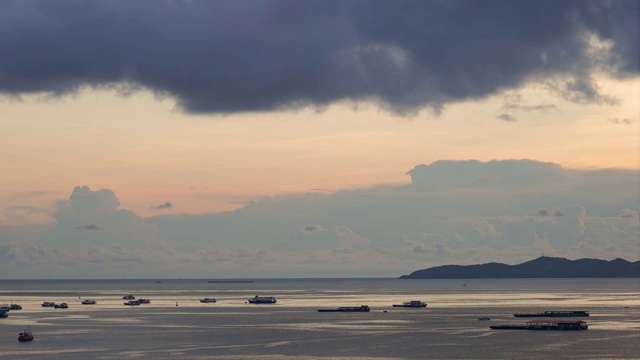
542, 267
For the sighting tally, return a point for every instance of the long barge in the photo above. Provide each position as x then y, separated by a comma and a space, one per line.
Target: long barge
574, 313
411, 304
545, 325
361, 308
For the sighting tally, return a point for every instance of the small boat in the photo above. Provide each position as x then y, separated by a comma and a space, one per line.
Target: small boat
15, 307
411, 304
207, 300
25, 336
88, 302
361, 308
144, 301
48, 304
128, 297
574, 313
484, 318
132, 303
545, 325
262, 300
61, 306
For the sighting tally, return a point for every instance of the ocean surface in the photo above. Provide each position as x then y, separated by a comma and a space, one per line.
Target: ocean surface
175, 325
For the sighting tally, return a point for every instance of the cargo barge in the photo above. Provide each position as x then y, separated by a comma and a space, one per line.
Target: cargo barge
545, 325
575, 313
361, 308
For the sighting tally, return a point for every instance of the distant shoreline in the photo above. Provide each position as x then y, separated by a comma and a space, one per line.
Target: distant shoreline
541, 268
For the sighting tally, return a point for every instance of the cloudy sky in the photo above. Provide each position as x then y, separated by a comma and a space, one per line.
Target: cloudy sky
326, 138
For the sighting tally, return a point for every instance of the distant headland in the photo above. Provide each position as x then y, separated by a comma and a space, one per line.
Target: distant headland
542, 267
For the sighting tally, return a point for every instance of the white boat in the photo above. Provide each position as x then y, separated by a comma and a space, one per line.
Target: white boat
262, 300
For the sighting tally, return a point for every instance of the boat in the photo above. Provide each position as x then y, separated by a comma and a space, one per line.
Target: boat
361, 308
545, 325
128, 297
48, 304
61, 306
132, 303
144, 301
88, 302
5, 307
4, 314
411, 304
207, 300
262, 300
15, 307
574, 313
25, 336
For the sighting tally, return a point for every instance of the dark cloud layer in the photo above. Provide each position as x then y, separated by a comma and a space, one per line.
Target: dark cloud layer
243, 55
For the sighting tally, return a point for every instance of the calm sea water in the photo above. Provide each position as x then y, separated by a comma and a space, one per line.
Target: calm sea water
177, 326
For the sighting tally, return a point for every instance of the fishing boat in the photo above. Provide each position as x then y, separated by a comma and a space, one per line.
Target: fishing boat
361, 308
545, 325
574, 313
207, 300
26, 335
411, 304
262, 300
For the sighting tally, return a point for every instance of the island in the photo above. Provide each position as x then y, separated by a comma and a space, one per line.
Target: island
542, 267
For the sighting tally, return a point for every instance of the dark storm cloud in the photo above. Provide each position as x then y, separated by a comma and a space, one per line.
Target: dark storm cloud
620, 121
164, 206
539, 107
243, 55
506, 117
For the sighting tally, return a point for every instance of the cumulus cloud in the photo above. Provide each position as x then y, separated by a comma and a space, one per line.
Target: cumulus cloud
242, 55
98, 211
444, 216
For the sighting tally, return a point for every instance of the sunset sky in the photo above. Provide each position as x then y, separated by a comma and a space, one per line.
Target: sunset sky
315, 138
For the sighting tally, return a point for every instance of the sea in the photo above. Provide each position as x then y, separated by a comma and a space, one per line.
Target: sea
176, 325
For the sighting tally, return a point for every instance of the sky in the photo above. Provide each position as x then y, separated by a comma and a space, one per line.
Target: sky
277, 138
